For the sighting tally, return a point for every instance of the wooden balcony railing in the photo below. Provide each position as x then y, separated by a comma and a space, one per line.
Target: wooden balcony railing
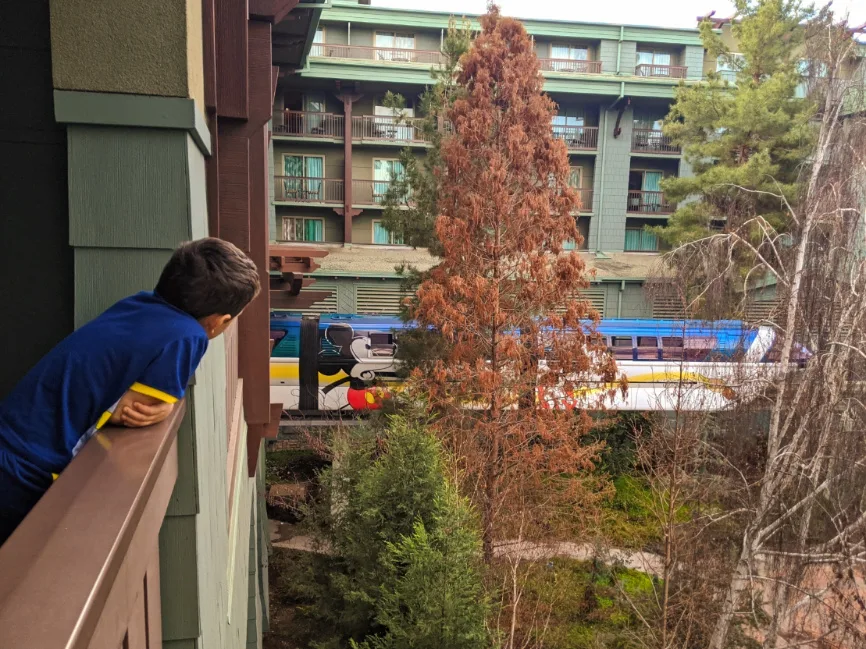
306, 124
571, 66
661, 71
390, 54
577, 137
389, 129
641, 202
299, 189
369, 192
585, 199
82, 570
644, 140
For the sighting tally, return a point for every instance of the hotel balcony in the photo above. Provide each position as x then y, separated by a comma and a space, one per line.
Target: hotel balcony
645, 140
648, 203
328, 191
578, 138
570, 66
661, 71
384, 54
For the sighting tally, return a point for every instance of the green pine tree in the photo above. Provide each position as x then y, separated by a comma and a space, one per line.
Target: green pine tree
747, 141
388, 515
433, 596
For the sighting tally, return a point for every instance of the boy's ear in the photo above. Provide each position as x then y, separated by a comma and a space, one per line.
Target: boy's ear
215, 324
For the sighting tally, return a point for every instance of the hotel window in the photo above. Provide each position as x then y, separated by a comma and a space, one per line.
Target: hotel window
653, 64
318, 41
303, 177
391, 43
566, 58
727, 65
303, 229
382, 235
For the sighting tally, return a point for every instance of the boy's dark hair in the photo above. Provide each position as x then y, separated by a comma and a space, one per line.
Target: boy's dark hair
209, 276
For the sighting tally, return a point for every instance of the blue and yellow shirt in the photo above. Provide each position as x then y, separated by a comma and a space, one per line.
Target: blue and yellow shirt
141, 343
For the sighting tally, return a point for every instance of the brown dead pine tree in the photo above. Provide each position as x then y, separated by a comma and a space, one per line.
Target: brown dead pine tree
504, 294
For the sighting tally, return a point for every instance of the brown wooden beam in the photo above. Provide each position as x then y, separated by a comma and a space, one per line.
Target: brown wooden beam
272, 11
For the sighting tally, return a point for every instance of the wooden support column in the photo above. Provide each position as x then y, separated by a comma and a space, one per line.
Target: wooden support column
348, 212
347, 174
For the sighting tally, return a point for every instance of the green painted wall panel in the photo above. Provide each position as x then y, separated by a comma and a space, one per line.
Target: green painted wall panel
607, 229
184, 497
336, 33
105, 275
128, 187
197, 190
179, 587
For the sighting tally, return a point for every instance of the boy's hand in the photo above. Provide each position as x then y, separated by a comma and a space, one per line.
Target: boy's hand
139, 415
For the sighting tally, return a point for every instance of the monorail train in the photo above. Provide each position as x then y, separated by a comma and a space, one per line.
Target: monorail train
347, 362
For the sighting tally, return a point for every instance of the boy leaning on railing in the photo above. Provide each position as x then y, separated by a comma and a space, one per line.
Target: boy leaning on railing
127, 367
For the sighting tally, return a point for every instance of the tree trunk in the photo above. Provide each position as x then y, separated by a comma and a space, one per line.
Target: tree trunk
738, 585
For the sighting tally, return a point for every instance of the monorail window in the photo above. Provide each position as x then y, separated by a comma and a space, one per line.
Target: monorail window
699, 348
672, 347
622, 347
647, 348
381, 344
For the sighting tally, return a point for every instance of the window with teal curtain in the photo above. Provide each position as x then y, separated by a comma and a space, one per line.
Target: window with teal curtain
380, 234
384, 171
652, 183
649, 241
293, 169
314, 167
383, 236
313, 230
639, 240
632, 239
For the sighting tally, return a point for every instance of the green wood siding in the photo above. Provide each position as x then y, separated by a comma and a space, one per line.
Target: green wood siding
128, 187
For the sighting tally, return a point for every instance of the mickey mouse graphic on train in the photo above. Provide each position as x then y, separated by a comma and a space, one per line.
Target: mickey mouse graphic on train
353, 362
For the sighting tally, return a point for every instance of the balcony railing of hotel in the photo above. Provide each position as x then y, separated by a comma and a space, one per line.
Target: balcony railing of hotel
570, 65
577, 137
82, 570
301, 189
645, 140
585, 199
642, 202
305, 124
389, 129
661, 71
369, 192
392, 54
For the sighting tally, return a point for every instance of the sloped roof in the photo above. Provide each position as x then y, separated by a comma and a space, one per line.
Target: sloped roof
382, 261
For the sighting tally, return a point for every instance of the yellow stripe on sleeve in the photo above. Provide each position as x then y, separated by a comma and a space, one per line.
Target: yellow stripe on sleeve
103, 420
153, 392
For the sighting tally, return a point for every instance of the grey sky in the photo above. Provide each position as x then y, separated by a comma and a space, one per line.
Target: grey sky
662, 13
